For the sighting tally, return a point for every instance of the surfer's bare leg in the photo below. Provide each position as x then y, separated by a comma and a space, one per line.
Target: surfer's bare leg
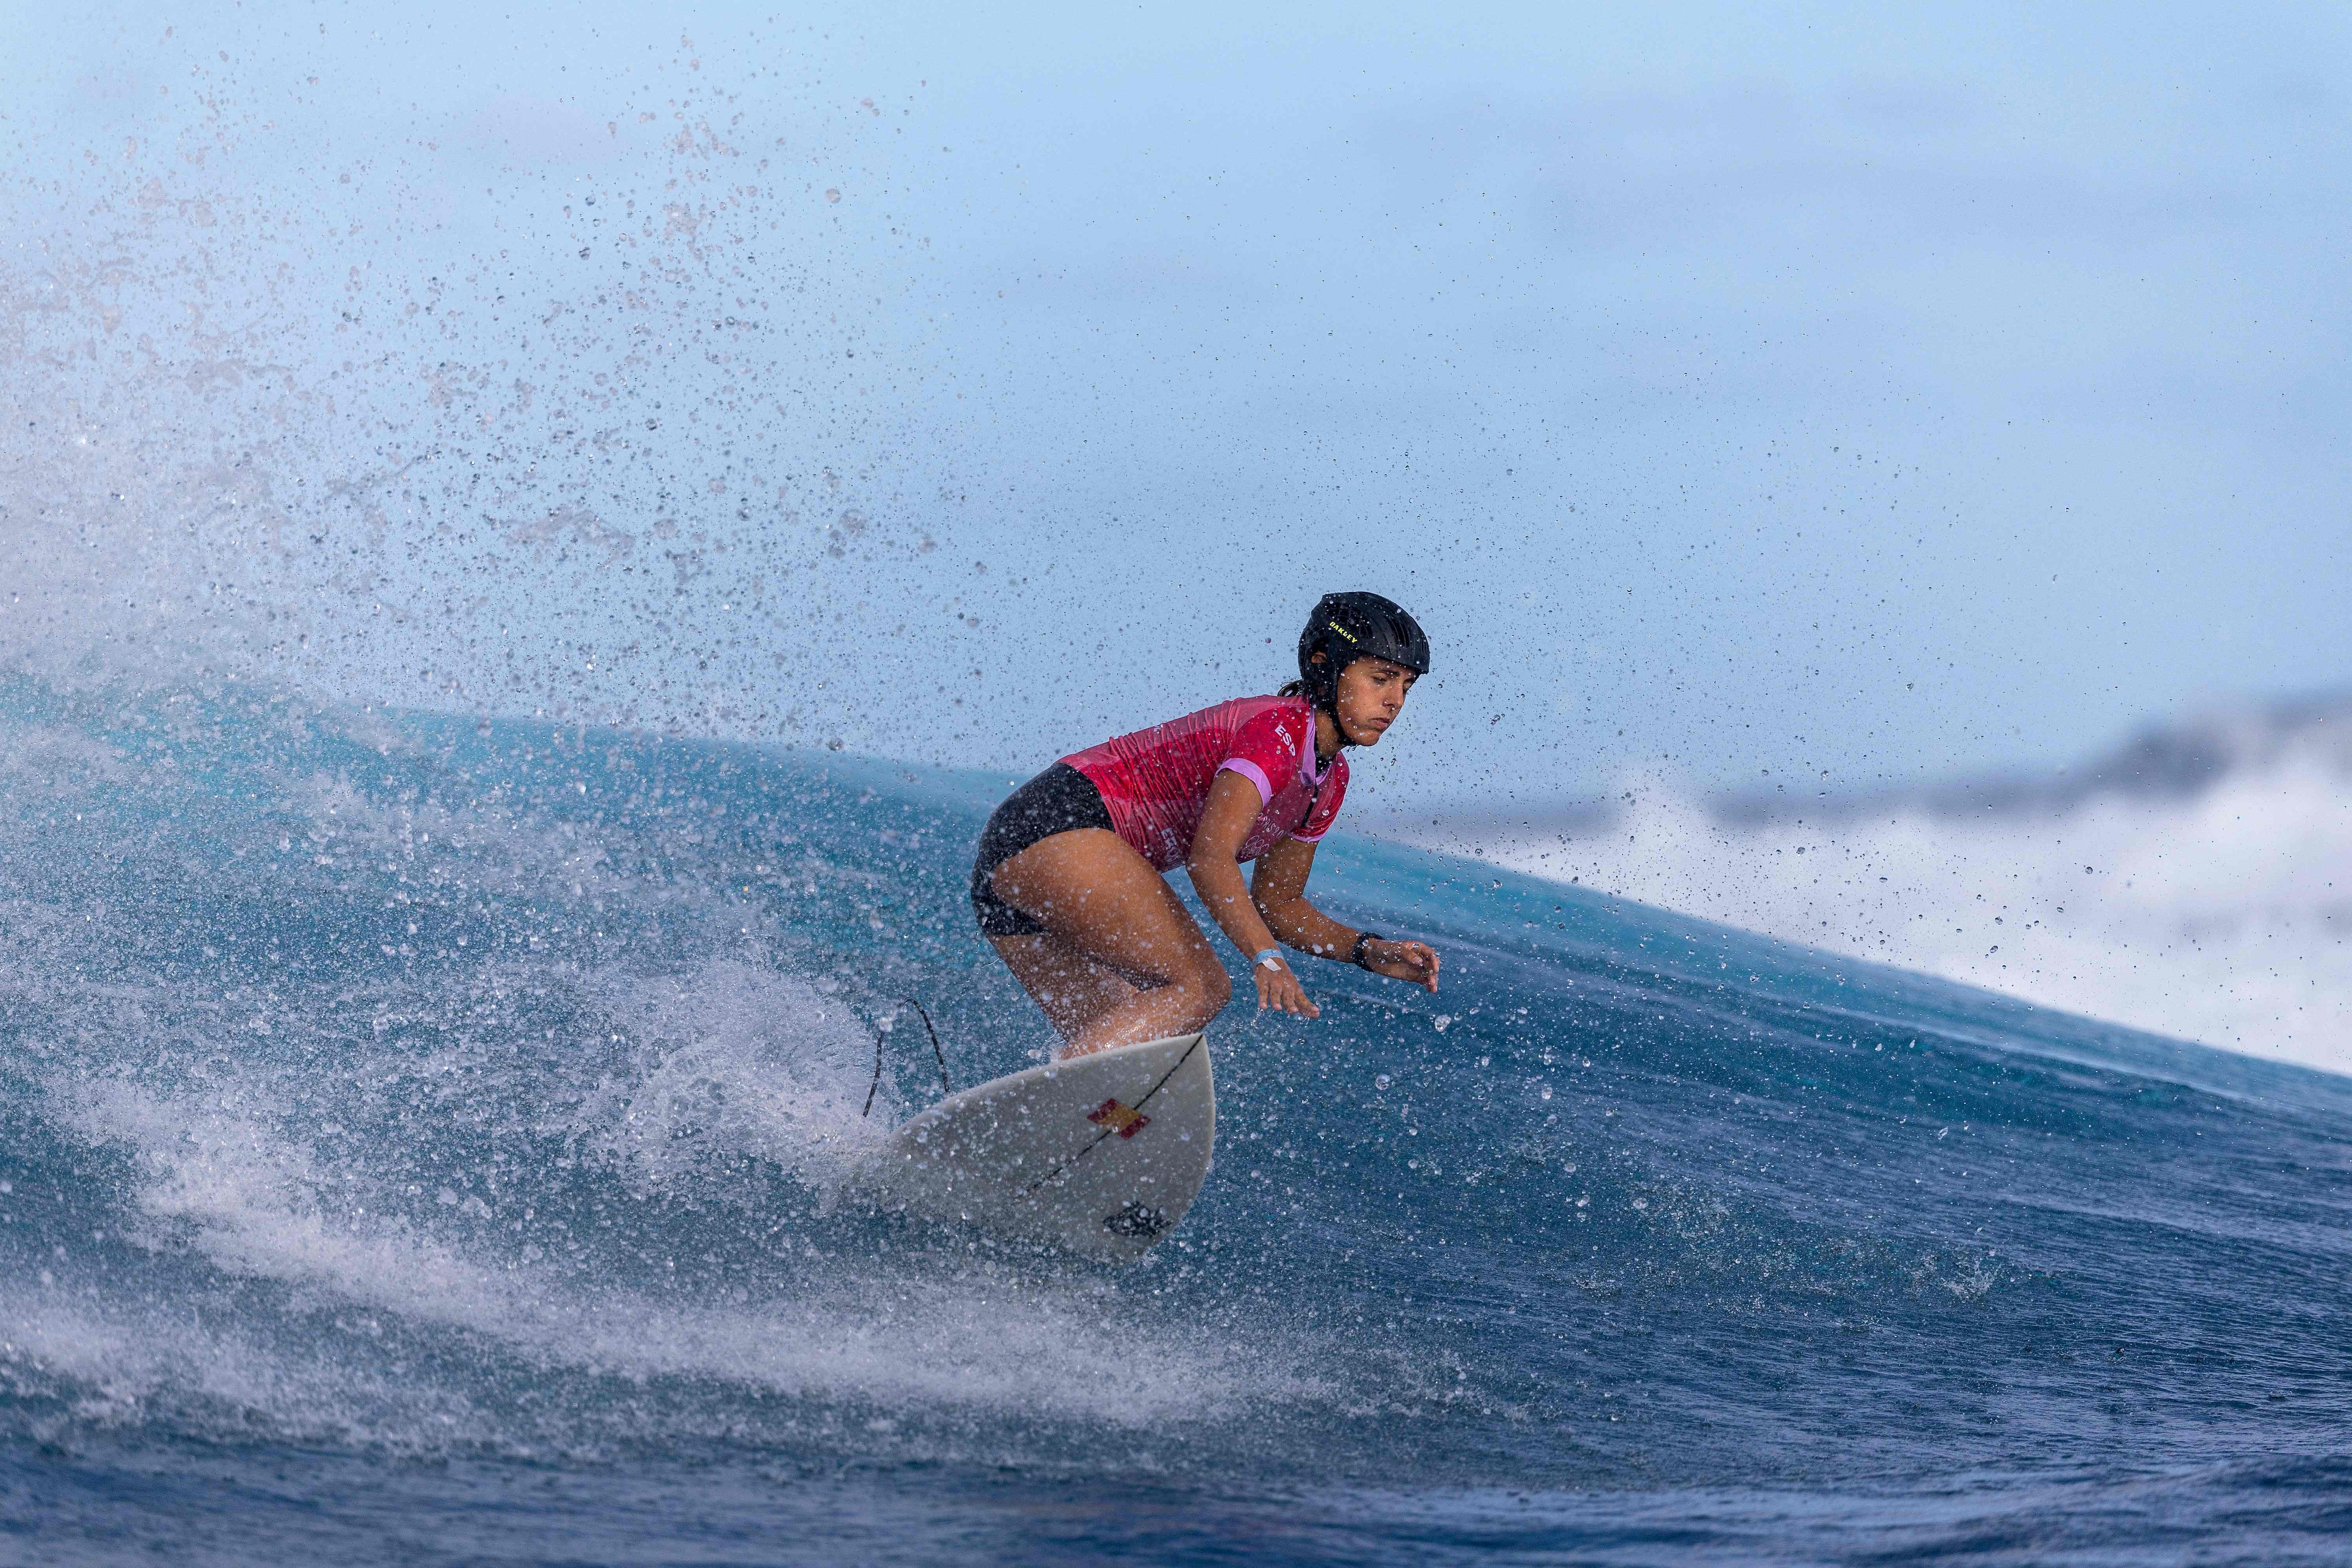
1073, 989
1121, 960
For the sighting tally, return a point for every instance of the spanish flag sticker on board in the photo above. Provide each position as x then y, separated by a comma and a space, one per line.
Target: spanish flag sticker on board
1123, 1120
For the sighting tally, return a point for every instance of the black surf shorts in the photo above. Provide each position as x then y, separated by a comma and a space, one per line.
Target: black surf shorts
1056, 801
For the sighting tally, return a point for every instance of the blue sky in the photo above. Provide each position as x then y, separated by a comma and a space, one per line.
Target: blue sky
1869, 392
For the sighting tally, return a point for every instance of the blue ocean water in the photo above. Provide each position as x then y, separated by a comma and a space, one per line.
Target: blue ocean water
425, 1142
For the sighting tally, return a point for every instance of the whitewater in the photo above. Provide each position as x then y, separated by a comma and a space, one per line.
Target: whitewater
2195, 882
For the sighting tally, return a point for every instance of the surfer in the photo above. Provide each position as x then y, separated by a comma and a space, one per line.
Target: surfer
1070, 885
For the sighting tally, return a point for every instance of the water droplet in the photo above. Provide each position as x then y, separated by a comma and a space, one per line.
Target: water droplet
1545, 1092
1382, 1082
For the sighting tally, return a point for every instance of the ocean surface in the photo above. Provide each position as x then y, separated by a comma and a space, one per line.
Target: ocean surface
425, 1142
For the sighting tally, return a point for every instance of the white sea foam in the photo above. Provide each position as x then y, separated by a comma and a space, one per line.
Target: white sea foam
740, 1061
2220, 913
225, 1174
135, 1365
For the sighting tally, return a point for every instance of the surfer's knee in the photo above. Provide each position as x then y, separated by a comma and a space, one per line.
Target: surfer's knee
1211, 987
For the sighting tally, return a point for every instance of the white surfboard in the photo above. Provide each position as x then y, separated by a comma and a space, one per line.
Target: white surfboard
1100, 1155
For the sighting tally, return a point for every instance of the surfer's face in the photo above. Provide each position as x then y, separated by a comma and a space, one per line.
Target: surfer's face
1372, 693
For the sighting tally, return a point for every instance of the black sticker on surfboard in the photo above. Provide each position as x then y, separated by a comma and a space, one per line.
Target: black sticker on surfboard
1137, 1220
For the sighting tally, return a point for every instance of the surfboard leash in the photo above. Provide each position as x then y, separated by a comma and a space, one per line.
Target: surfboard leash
938, 1054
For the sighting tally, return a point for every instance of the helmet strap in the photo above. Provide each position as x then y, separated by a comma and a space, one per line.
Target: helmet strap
1323, 693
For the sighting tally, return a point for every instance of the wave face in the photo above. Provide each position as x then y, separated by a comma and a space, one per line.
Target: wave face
2196, 882
443, 1122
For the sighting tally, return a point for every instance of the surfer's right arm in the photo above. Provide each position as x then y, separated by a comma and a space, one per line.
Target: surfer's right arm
1216, 875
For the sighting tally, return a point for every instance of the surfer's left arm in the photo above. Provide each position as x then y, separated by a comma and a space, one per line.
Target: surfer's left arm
1278, 889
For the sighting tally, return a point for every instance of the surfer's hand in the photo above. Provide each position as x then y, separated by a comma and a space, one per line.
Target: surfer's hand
1413, 960
1279, 989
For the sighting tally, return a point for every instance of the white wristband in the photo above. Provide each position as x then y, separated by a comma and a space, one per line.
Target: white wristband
1271, 957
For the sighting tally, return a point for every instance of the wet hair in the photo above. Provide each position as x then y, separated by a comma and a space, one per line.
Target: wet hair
1295, 689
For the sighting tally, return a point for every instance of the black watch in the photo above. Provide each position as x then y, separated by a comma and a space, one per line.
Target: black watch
1356, 953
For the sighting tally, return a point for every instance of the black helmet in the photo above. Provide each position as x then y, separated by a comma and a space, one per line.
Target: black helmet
1346, 628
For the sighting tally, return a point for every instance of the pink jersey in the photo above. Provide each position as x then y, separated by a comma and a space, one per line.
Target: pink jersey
1155, 782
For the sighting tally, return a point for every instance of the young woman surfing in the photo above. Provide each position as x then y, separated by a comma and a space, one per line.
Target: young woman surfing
1069, 883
